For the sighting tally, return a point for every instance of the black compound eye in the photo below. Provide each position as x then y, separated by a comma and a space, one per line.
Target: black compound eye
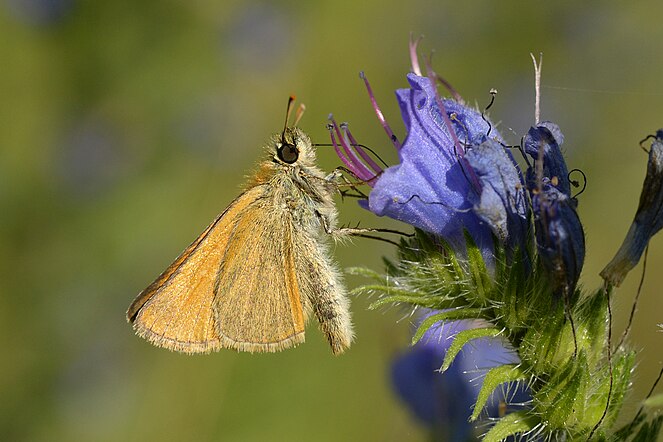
288, 153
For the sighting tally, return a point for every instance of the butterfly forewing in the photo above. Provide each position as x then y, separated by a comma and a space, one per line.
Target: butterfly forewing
213, 297
175, 311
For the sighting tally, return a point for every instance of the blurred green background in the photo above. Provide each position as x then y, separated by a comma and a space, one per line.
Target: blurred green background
126, 126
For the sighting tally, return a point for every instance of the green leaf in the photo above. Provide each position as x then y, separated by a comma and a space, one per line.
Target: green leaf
510, 425
449, 315
463, 338
494, 378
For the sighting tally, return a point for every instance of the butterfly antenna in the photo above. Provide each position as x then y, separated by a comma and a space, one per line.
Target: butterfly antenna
299, 114
288, 111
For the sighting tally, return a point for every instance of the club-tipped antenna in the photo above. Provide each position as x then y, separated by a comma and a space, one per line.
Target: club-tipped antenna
288, 111
299, 113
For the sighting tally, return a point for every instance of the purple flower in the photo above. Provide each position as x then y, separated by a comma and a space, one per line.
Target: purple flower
543, 143
648, 218
503, 203
560, 237
443, 402
454, 172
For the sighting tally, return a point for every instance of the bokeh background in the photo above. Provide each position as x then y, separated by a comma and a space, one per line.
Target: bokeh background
126, 126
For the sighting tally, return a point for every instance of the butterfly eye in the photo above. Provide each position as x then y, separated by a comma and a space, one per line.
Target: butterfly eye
288, 153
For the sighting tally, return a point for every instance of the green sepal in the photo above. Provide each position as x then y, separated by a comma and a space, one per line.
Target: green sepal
591, 317
462, 338
449, 315
494, 378
563, 396
622, 364
482, 283
397, 295
541, 344
512, 282
510, 425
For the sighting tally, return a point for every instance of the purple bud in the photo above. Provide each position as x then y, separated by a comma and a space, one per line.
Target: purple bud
543, 143
560, 238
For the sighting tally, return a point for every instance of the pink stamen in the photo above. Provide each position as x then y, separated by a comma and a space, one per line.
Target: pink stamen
414, 58
349, 157
366, 157
454, 93
379, 113
338, 150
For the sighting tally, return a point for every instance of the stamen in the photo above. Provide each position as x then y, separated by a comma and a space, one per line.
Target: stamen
348, 156
414, 58
366, 157
339, 152
379, 113
576, 183
493, 93
653, 137
351, 151
454, 93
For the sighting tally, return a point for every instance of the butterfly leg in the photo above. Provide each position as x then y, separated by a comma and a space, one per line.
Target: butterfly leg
341, 232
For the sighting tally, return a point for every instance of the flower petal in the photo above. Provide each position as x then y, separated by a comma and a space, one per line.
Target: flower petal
502, 203
429, 188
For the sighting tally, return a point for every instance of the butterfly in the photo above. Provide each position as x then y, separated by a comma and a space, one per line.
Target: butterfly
255, 275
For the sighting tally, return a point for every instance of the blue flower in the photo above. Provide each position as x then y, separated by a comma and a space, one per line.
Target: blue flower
503, 203
443, 401
442, 184
648, 218
560, 237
